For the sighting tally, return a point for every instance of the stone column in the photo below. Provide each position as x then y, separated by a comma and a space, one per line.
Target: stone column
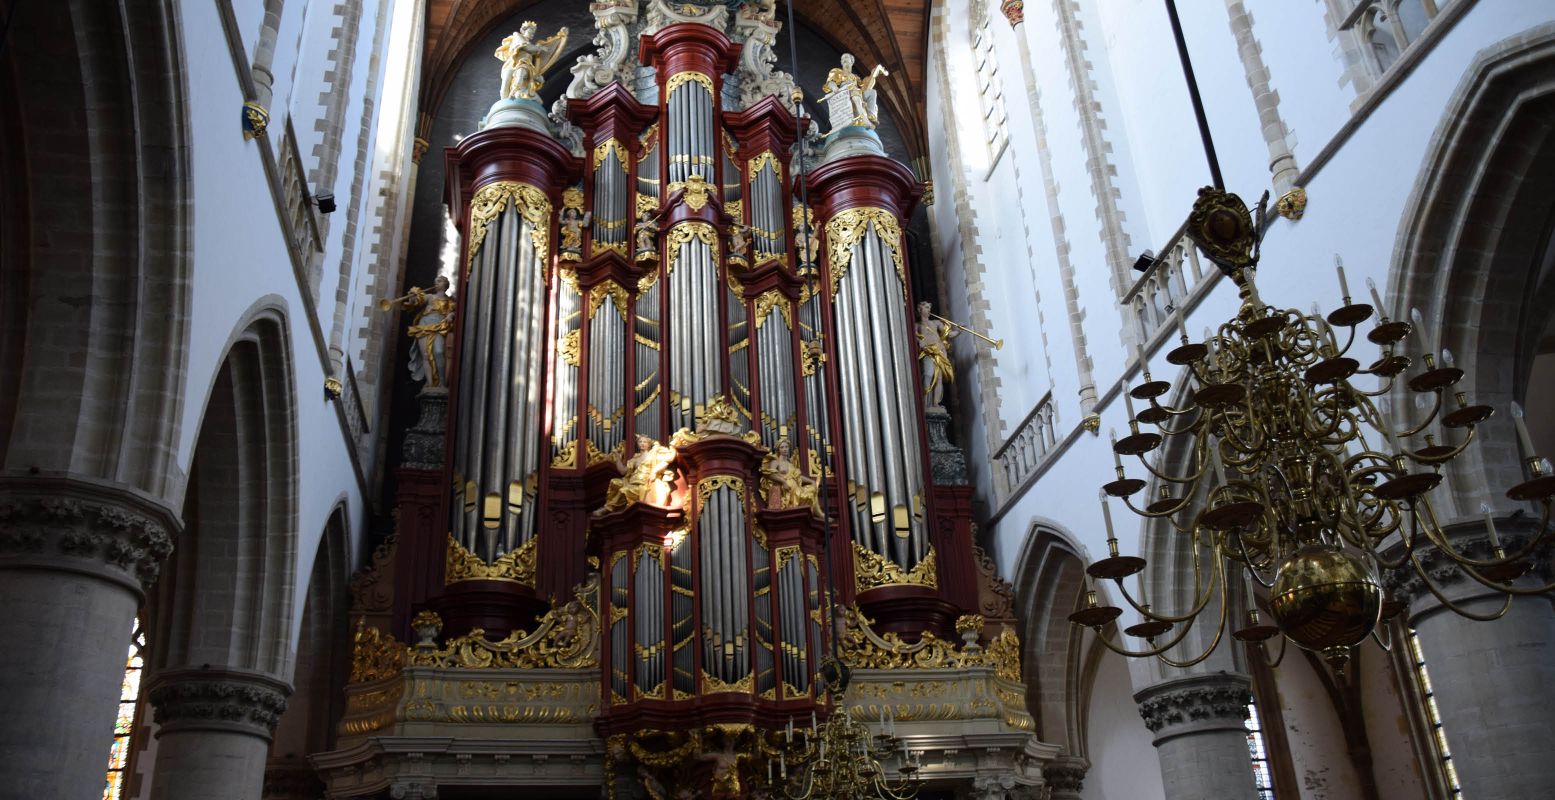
213, 732
75, 558
1065, 777
1199, 735
1494, 681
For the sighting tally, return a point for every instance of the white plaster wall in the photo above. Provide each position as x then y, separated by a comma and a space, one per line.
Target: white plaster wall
1318, 751
240, 260
1393, 761
1118, 745
1357, 202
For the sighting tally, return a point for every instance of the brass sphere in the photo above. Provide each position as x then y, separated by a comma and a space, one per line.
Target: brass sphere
1325, 598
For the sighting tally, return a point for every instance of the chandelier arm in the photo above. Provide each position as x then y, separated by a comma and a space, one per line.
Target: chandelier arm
1506, 598
1263, 647
1434, 533
1376, 636
1157, 514
1228, 431
1166, 477
1468, 439
1246, 560
1199, 603
1386, 388
1152, 652
1429, 418
1349, 338
1220, 631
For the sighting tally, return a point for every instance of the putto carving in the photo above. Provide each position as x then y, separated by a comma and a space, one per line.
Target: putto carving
784, 484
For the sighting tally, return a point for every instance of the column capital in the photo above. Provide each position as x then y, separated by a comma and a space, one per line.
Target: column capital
1014, 11
233, 701
1194, 705
1065, 776
109, 531
1468, 538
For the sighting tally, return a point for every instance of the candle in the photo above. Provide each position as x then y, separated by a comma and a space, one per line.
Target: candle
1344, 285
1117, 460
1376, 299
1490, 525
1522, 432
770, 767
782, 765
813, 726
1128, 403
788, 732
1106, 515
1182, 324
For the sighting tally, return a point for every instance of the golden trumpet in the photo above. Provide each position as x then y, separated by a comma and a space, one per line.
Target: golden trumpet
998, 344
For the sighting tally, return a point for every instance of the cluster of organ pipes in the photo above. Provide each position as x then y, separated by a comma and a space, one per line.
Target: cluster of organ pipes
709, 309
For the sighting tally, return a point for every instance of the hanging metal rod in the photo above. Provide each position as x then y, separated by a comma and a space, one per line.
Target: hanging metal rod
1193, 94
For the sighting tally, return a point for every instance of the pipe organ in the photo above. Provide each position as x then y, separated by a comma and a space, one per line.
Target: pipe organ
684, 392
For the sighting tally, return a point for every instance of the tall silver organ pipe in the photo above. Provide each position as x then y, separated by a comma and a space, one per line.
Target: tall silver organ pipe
608, 312
497, 440
694, 364
876, 358
612, 214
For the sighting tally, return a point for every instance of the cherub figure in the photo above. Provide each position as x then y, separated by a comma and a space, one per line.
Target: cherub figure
647, 233
739, 241
572, 224
525, 61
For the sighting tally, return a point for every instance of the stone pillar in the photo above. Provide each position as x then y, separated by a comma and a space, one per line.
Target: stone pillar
1199, 735
1494, 681
1065, 776
213, 732
75, 558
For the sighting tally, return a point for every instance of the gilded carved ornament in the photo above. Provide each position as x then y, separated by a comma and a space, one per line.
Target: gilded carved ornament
492, 199
375, 655
616, 293
845, 230
872, 571
605, 148
862, 648
567, 638
769, 300
684, 77
517, 566
685, 233
697, 190
765, 159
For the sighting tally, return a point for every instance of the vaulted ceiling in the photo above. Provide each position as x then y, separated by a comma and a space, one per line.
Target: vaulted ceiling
889, 32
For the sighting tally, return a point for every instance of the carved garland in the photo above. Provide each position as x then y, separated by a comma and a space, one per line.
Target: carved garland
615, 292
873, 571
604, 148
680, 79
492, 199
683, 234
847, 229
862, 648
517, 566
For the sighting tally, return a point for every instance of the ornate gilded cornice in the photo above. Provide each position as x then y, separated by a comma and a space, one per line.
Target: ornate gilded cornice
845, 230
375, 655
46, 519
517, 566
686, 232
490, 201
567, 637
684, 77
605, 148
872, 570
861, 647
206, 699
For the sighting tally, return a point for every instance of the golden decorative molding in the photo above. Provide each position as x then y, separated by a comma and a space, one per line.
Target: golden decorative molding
572, 197
684, 77
697, 190
735, 209
619, 247
711, 684
769, 300
492, 199
845, 230
1293, 204
375, 655
604, 148
872, 571
517, 566
765, 159
614, 291
683, 234
569, 348
861, 647
646, 202
567, 638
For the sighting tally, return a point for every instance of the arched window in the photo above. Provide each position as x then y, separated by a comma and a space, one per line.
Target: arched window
125, 723
1258, 753
990, 90
1377, 28
1433, 718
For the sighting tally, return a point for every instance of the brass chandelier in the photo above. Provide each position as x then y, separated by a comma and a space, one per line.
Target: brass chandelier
840, 760
1295, 476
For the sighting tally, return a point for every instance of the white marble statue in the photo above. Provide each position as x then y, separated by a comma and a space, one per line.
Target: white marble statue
852, 101
525, 61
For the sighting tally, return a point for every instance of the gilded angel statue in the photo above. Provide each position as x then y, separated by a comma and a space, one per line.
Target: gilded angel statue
525, 61
862, 107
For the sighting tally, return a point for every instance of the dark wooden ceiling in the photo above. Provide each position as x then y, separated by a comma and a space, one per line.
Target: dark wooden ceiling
889, 32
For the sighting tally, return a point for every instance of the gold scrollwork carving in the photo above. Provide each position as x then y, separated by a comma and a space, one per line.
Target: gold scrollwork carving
707, 486
735, 209
684, 233
684, 77
567, 638
615, 292
697, 190
375, 655
569, 347
646, 202
604, 148
873, 570
765, 159
845, 230
517, 566
712, 684
572, 197
769, 300
492, 199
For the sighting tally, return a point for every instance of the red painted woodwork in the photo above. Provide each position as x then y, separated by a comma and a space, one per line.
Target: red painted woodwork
497, 607
689, 47
421, 544
765, 126
611, 113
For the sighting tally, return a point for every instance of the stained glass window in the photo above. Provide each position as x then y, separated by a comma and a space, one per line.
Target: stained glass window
124, 723
1433, 717
1258, 752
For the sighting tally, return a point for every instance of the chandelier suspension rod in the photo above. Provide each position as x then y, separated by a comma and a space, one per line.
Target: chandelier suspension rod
1193, 94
